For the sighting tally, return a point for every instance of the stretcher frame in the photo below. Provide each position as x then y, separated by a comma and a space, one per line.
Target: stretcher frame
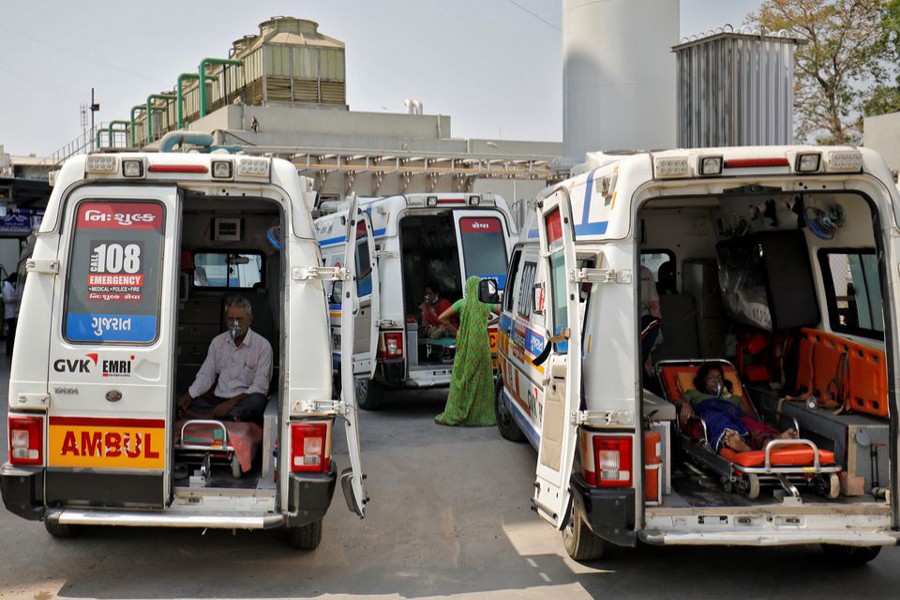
207, 452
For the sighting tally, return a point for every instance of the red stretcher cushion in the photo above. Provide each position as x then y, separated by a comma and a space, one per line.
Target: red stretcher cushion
794, 455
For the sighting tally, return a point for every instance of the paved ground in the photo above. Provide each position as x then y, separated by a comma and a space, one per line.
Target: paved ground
449, 517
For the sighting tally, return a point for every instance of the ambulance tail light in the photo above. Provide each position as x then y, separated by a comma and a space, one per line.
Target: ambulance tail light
612, 459
393, 345
308, 448
26, 440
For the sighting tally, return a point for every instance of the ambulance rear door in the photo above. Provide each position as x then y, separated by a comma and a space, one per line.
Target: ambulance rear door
563, 367
482, 239
112, 342
359, 327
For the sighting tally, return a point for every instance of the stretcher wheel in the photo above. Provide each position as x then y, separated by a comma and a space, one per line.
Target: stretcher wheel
235, 466
829, 486
752, 486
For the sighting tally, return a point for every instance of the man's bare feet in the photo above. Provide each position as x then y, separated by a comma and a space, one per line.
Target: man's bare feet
734, 441
789, 434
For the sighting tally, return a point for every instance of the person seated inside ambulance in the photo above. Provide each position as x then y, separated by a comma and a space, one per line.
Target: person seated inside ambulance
234, 379
431, 308
727, 422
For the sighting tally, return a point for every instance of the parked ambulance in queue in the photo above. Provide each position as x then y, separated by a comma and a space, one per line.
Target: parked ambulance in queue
124, 292
776, 265
418, 241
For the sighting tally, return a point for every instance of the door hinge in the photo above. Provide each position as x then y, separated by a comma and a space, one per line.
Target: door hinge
389, 324
599, 418
44, 266
599, 276
32, 400
386, 254
321, 407
323, 273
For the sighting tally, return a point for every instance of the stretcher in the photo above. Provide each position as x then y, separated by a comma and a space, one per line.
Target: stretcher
787, 463
209, 441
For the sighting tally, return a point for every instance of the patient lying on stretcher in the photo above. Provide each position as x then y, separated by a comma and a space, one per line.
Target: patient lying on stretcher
727, 422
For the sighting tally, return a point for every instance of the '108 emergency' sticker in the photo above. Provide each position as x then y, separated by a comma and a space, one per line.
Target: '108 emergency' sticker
115, 273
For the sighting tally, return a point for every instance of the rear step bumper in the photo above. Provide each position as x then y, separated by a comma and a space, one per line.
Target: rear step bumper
172, 517
759, 539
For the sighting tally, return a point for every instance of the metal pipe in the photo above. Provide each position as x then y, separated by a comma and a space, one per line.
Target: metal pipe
180, 89
173, 138
123, 124
150, 100
133, 110
202, 71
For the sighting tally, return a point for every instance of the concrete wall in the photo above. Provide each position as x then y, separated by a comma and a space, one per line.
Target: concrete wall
882, 134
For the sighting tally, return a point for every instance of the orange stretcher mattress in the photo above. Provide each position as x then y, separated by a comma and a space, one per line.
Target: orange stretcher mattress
795, 455
677, 378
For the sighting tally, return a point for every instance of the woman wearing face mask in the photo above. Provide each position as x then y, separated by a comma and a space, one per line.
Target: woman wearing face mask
431, 308
727, 422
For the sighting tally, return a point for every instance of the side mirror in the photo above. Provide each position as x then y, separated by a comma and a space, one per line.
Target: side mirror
487, 291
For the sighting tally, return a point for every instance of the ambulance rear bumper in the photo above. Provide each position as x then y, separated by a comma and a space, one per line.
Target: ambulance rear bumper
22, 490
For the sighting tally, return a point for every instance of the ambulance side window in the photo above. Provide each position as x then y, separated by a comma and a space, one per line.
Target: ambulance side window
115, 269
526, 283
853, 291
558, 290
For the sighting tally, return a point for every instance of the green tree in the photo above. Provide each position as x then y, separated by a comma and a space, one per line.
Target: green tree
885, 97
846, 57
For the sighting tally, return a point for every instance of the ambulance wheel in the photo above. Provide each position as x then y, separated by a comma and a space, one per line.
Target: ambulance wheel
59, 530
505, 422
851, 555
306, 537
369, 394
579, 541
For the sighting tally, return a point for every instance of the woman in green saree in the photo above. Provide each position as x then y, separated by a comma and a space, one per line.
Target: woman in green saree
471, 398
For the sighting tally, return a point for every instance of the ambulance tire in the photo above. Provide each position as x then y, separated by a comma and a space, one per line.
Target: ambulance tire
505, 422
580, 542
59, 530
850, 555
306, 537
369, 394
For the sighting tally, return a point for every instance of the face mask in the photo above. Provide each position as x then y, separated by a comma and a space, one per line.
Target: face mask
431, 299
234, 328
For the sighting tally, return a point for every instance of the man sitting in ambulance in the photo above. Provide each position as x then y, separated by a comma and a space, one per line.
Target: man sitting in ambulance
234, 379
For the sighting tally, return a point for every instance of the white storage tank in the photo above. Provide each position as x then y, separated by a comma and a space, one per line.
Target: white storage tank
618, 75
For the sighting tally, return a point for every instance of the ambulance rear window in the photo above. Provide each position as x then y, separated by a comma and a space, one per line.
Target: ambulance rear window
113, 288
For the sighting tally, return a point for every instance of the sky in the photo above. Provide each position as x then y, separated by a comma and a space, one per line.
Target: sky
494, 66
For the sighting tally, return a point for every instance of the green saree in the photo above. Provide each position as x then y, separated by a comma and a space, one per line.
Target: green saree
471, 398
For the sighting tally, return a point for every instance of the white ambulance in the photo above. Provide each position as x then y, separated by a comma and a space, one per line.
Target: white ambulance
417, 240
124, 292
784, 259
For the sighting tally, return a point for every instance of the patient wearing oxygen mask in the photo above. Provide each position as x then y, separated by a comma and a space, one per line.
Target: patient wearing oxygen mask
727, 422
234, 379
